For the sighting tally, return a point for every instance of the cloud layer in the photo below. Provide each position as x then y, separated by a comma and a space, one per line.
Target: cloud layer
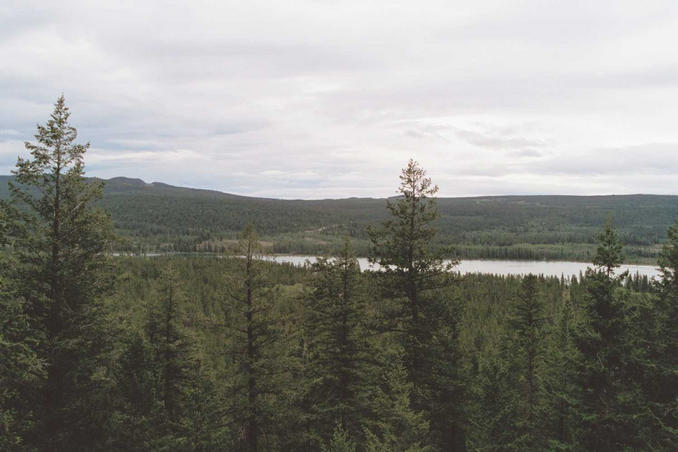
313, 99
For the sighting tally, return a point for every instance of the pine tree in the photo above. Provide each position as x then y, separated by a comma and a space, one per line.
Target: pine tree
340, 441
337, 352
495, 403
169, 344
526, 322
609, 252
415, 275
448, 377
259, 356
133, 426
398, 428
63, 274
664, 383
602, 345
559, 386
411, 267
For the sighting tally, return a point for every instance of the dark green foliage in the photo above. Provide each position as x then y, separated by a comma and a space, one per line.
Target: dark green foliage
608, 409
60, 240
397, 427
21, 370
166, 400
422, 314
609, 252
559, 384
340, 441
663, 384
262, 365
168, 343
411, 269
337, 352
526, 323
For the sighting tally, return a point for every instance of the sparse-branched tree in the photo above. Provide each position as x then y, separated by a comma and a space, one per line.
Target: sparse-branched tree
559, 386
418, 280
261, 366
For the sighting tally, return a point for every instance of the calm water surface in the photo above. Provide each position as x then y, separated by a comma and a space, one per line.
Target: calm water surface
501, 267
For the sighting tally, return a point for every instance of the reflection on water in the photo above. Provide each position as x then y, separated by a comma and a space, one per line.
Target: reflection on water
500, 267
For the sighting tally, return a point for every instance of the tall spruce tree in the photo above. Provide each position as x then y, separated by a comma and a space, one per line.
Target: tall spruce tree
665, 387
398, 428
134, 425
337, 351
415, 275
259, 355
609, 254
559, 383
169, 344
252, 330
526, 322
602, 344
63, 276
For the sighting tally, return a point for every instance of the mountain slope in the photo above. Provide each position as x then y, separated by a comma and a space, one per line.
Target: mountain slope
158, 214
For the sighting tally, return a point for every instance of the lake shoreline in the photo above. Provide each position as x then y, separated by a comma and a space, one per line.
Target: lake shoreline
634, 262
465, 266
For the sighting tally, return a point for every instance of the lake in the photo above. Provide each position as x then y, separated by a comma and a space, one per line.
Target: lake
501, 267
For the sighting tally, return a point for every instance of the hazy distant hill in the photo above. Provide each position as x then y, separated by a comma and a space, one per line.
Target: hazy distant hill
161, 215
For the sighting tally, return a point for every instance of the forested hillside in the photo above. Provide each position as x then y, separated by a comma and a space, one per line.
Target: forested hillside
160, 217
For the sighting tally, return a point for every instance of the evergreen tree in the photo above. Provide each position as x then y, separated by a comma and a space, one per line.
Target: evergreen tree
559, 386
398, 428
63, 274
609, 252
448, 376
664, 387
133, 425
260, 357
20, 368
336, 349
416, 276
252, 353
169, 344
602, 344
495, 403
526, 322
340, 441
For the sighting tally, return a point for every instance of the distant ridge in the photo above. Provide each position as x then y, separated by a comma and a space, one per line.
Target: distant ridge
122, 184
180, 218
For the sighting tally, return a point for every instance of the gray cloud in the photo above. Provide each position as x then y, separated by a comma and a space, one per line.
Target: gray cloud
321, 99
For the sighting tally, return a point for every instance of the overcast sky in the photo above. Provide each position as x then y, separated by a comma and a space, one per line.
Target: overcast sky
314, 99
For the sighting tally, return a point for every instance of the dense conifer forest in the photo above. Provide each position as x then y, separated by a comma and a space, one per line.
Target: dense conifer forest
233, 353
161, 218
